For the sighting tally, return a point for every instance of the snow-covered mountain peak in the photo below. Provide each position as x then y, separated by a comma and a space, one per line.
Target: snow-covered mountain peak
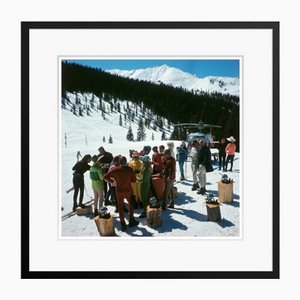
178, 78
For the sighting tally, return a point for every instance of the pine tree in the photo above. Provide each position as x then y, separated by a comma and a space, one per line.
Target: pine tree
110, 140
152, 136
141, 132
129, 135
103, 139
175, 134
163, 136
120, 120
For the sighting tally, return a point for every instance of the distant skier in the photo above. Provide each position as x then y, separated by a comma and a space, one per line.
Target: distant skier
78, 155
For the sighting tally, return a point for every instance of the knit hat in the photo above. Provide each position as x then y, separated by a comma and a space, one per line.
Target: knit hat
135, 154
145, 159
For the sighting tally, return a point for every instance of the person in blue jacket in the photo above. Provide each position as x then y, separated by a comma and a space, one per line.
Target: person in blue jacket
182, 155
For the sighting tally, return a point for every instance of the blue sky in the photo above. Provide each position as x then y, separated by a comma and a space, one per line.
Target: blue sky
199, 67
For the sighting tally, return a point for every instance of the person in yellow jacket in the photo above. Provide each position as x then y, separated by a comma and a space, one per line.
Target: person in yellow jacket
96, 176
230, 152
136, 164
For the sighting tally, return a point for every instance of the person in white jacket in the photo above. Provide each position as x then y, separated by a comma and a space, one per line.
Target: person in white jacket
194, 154
171, 146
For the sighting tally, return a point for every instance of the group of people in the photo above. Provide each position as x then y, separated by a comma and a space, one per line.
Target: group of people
115, 179
201, 163
112, 177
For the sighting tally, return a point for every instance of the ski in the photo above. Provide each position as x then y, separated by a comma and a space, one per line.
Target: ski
72, 213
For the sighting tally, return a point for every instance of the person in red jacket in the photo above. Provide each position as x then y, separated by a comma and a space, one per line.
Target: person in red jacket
122, 177
169, 174
157, 159
230, 152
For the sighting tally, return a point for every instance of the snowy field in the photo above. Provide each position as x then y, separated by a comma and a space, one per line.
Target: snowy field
187, 219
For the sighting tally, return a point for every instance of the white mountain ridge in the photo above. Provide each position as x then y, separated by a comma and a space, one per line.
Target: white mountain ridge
178, 78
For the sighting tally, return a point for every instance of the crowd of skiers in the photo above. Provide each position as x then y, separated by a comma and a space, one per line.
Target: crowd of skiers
115, 179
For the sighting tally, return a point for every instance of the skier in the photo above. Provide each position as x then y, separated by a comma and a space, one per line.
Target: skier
78, 179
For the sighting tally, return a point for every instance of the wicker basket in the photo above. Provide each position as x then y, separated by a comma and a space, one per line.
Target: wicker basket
84, 211
105, 226
225, 192
153, 217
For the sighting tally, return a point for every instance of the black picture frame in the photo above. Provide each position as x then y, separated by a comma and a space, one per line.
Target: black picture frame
26, 273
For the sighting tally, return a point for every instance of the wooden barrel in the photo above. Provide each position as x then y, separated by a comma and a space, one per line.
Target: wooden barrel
225, 191
105, 226
153, 217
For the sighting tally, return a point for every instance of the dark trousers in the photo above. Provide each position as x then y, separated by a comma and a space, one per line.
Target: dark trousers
222, 158
78, 184
229, 159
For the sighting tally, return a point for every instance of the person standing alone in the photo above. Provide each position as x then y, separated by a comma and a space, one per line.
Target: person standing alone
230, 151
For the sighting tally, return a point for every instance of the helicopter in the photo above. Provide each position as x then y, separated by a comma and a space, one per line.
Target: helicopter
208, 137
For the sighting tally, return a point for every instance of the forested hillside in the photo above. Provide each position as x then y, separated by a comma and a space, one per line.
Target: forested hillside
174, 104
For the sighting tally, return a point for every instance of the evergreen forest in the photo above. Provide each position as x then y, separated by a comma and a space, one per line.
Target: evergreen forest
177, 105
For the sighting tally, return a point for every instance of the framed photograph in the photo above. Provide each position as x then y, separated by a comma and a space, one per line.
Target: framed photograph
157, 141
